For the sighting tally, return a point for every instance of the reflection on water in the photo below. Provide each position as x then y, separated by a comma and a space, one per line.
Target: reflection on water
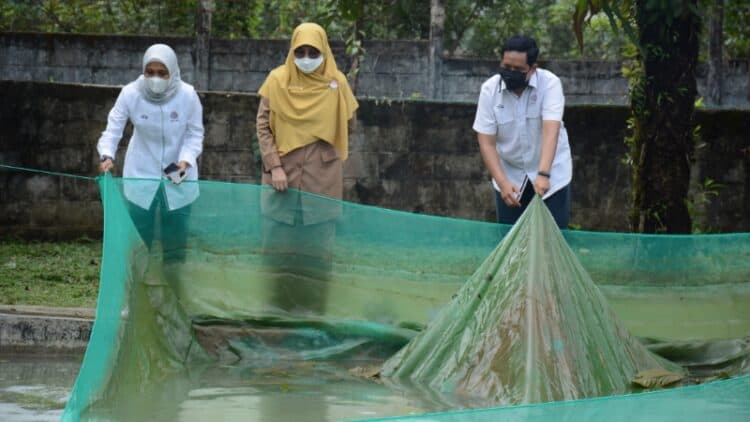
300, 391
35, 387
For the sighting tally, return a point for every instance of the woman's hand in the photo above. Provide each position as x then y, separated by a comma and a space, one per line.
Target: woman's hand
183, 166
278, 179
106, 165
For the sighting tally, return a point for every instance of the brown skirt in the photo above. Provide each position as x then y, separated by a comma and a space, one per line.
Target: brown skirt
314, 168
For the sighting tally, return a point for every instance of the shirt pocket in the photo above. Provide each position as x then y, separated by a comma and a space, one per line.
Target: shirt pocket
505, 121
508, 142
534, 122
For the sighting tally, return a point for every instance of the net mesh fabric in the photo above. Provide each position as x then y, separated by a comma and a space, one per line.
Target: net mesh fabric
246, 277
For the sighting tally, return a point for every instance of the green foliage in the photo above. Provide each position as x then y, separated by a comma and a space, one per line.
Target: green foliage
394, 19
619, 16
356, 51
472, 27
115, 17
382, 20
632, 70
736, 24
701, 194
239, 19
478, 28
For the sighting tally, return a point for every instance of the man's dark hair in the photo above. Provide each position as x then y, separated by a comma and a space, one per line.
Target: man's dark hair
522, 44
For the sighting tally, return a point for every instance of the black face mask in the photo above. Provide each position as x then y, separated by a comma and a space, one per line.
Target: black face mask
514, 79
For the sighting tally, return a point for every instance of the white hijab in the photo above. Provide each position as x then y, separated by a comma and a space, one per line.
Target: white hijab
163, 54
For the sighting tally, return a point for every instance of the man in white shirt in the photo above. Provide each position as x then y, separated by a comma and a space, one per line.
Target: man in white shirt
521, 134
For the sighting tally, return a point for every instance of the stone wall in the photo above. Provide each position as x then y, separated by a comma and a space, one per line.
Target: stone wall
30, 330
393, 69
417, 156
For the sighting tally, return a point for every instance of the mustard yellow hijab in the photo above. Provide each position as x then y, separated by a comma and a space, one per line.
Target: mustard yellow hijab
312, 106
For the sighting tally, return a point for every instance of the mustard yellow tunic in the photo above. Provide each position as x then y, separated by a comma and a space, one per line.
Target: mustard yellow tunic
303, 125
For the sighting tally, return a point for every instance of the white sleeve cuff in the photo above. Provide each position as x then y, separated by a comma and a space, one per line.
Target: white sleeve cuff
484, 129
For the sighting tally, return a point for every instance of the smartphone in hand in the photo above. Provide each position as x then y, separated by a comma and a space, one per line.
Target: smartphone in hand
174, 173
526, 191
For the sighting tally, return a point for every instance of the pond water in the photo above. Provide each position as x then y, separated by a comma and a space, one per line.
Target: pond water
36, 387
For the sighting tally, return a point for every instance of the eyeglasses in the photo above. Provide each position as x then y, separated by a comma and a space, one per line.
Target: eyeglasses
306, 50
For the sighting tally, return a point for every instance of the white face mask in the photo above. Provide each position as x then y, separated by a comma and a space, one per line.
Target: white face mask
308, 65
157, 85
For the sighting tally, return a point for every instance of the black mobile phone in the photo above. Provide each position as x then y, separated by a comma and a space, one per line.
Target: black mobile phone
174, 173
527, 191
171, 168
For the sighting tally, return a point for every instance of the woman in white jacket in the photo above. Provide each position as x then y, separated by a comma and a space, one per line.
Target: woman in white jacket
167, 119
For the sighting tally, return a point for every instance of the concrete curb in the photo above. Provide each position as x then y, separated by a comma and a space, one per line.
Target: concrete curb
40, 329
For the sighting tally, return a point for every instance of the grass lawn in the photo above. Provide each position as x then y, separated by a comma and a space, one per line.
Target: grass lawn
64, 274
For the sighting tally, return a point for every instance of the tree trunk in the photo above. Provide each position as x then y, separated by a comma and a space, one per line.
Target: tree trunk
715, 63
356, 50
662, 103
437, 24
202, 44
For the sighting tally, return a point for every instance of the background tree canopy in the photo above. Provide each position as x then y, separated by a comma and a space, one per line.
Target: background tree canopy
472, 28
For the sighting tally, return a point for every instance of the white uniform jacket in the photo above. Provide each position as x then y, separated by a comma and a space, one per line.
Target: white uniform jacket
162, 134
516, 122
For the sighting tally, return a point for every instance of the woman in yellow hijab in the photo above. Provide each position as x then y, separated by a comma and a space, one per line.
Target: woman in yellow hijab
304, 117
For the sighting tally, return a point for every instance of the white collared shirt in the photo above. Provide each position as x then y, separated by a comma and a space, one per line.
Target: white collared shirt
162, 134
516, 122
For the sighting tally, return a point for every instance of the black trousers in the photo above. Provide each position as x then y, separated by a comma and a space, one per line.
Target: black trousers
558, 204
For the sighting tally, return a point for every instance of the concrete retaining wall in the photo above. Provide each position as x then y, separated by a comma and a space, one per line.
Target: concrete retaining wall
44, 330
416, 156
391, 69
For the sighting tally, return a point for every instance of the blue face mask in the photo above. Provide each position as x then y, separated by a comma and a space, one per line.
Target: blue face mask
514, 79
308, 65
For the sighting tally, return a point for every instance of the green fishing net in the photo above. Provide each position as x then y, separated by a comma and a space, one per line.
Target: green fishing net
528, 326
212, 311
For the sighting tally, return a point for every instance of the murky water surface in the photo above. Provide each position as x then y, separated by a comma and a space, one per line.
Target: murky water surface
35, 388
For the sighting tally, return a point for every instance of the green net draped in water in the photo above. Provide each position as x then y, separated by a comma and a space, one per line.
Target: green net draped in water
528, 326
211, 311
